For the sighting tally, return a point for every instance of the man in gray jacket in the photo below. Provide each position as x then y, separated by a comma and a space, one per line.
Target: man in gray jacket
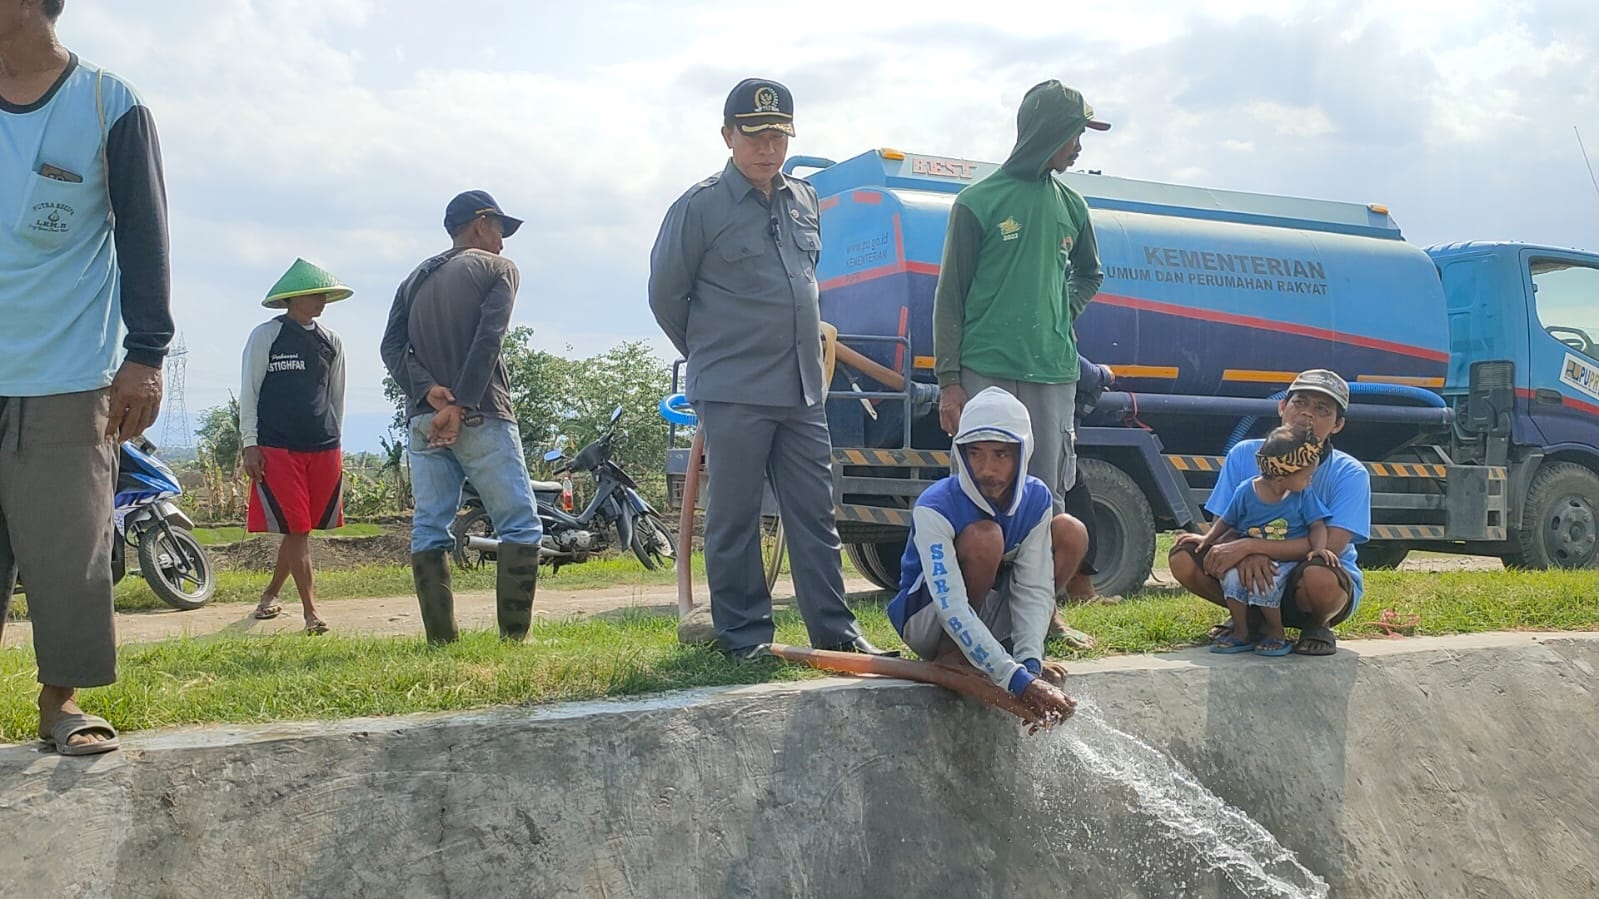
442, 346
733, 285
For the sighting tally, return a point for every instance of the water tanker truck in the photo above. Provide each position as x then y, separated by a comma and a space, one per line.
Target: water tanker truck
1474, 367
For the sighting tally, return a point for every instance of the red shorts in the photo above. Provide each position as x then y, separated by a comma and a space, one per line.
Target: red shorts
302, 492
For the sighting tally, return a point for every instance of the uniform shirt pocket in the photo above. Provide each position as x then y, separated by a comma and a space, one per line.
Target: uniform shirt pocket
57, 213
738, 264
811, 242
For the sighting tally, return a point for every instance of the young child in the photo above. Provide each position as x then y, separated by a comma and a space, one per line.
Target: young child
1274, 506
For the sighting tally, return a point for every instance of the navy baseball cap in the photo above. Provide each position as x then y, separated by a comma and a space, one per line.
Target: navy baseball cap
473, 203
759, 104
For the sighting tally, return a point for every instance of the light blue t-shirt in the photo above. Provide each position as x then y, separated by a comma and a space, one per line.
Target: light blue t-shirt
1340, 483
62, 289
1286, 519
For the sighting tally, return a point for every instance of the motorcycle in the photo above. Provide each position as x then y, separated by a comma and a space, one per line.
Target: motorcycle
617, 508
145, 517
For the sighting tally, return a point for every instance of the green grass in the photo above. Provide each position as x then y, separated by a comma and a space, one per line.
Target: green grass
284, 677
212, 536
290, 677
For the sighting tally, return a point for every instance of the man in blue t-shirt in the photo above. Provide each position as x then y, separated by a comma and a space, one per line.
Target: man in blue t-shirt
83, 267
1316, 596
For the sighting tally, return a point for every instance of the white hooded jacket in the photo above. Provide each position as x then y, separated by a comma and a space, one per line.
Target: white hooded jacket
949, 507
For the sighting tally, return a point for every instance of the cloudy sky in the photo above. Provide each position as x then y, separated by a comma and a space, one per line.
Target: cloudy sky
338, 129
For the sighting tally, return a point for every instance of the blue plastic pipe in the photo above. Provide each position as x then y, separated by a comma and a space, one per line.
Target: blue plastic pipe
1420, 395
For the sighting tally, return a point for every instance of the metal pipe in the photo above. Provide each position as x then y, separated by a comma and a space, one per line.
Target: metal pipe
1236, 406
492, 545
685, 525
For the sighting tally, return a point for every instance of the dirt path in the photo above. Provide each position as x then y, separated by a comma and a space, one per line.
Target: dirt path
391, 615
397, 615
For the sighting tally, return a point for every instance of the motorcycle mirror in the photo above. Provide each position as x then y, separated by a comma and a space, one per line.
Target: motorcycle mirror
552, 456
615, 414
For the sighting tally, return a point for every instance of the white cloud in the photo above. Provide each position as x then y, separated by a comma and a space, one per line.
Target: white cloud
337, 129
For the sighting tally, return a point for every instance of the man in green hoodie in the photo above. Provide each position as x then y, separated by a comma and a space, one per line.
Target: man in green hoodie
1005, 303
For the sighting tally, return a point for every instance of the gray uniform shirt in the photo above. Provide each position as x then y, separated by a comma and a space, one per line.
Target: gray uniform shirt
452, 331
733, 285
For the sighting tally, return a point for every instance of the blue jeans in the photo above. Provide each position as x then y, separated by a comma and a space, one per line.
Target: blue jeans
490, 455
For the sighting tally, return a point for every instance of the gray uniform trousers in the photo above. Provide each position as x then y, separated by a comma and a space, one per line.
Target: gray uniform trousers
744, 445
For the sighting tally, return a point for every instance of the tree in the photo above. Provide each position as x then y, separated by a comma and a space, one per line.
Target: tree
219, 435
556, 397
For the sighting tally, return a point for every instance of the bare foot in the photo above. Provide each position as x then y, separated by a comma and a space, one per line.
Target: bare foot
56, 703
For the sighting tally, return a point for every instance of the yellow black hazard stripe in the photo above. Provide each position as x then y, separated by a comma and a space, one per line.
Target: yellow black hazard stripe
1407, 470
1406, 532
874, 515
905, 457
1195, 463
1376, 469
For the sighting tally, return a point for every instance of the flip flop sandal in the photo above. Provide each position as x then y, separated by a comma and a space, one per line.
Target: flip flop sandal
69, 726
1316, 635
316, 626
269, 607
1280, 647
1230, 645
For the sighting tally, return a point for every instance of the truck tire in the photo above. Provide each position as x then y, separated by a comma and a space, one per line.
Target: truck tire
1381, 555
1558, 522
1124, 537
878, 562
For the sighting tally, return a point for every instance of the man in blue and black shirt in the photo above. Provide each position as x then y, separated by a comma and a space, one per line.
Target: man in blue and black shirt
83, 267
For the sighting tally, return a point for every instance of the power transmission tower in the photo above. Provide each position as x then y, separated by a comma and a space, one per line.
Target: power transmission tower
176, 434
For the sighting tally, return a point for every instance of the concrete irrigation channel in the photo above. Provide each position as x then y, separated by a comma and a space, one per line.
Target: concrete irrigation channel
1429, 767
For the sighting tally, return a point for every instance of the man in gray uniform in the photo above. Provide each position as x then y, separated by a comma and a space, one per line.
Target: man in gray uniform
733, 285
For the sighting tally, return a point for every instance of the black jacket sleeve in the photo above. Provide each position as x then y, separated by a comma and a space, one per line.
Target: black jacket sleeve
139, 203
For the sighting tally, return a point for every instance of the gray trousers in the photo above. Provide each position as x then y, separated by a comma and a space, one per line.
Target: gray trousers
57, 473
744, 446
1051, 408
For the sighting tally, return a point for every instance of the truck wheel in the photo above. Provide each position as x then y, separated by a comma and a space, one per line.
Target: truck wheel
1124, 538
1381, 555
878, 562
1558, 523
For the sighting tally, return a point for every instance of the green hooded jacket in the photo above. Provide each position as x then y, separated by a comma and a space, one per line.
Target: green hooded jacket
1003, 306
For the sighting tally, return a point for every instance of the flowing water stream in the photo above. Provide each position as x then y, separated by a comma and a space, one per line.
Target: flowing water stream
1182, 826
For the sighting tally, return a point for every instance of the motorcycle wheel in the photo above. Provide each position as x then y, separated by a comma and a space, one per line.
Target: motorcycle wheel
652, 542
475, 523
176, 567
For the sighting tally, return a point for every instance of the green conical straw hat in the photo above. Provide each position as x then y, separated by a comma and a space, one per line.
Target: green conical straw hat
301, 279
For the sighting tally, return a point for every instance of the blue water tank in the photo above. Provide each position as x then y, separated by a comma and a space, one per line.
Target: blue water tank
1206, 292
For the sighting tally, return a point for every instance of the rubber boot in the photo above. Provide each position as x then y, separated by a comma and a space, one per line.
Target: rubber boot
431, 571
516, 579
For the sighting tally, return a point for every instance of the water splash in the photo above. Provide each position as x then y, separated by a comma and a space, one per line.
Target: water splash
1216, 837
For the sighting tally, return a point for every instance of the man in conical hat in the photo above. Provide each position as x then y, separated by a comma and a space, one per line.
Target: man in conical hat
291, 411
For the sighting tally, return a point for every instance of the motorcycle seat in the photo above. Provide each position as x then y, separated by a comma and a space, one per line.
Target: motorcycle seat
547, 487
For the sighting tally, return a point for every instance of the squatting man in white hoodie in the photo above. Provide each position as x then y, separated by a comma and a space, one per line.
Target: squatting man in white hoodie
986, 557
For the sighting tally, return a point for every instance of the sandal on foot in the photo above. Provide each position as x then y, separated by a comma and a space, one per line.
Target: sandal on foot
70, 725
315, 626
1227, 643
1316, 641
268, 607
1274, 646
